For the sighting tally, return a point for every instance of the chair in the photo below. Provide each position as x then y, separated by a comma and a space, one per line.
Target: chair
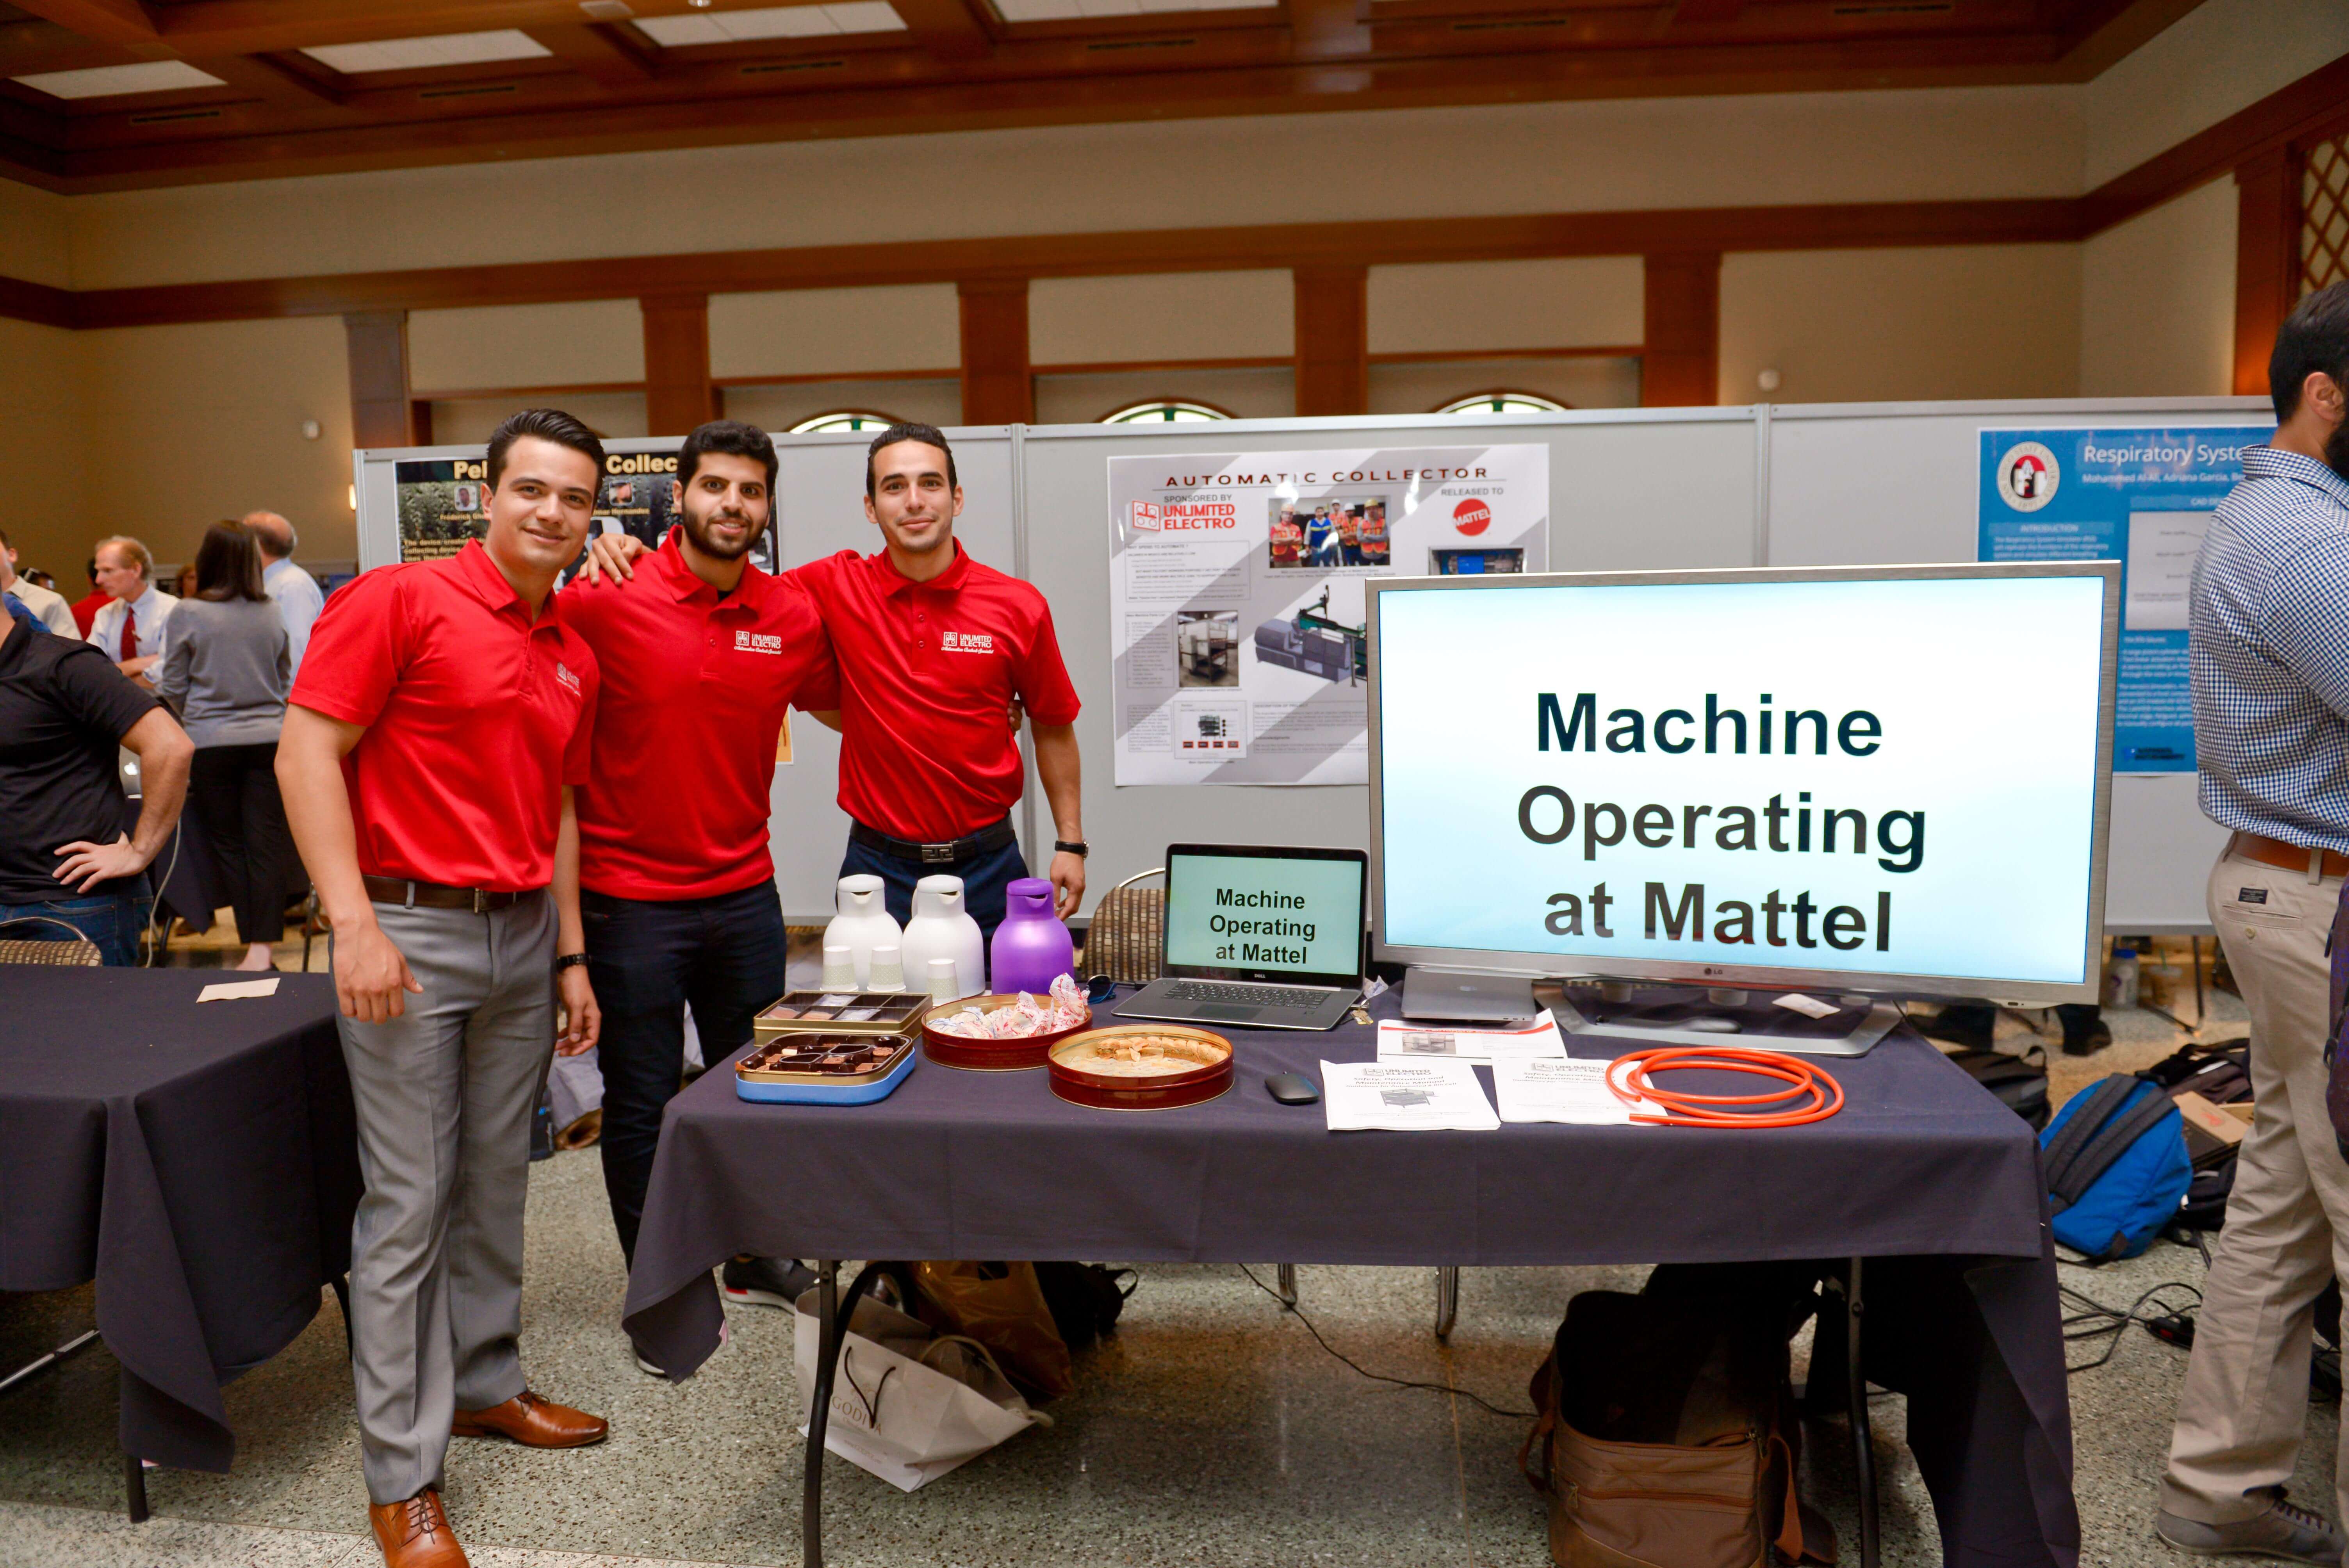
76, 951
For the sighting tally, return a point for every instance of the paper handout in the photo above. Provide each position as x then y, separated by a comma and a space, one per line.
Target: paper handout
1433, 1094
1539, 1038
230, 990
1547, 1089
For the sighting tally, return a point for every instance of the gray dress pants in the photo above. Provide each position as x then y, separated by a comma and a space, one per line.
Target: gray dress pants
445, 1093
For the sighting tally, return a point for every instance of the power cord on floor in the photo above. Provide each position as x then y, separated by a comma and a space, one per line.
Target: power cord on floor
2174, 1324
1378, 1377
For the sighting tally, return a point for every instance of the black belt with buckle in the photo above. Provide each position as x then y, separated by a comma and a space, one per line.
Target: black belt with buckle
432, 895
947, 854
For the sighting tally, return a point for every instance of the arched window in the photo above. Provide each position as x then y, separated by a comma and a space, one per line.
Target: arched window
845, 419
1163, 412
1504, 403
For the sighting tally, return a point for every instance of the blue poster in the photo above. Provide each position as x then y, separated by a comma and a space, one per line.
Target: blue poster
2139, 496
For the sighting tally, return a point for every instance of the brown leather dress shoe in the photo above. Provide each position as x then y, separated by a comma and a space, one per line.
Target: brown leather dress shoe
415, 1533
533, 1422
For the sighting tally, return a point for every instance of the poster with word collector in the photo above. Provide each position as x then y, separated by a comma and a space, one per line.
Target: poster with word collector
2141, 496
1236, 608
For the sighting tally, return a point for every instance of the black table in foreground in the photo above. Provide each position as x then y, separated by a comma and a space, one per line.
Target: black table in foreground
200, 1163
1930, 1181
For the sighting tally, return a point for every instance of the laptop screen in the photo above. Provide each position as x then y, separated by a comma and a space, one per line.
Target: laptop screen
1265, 914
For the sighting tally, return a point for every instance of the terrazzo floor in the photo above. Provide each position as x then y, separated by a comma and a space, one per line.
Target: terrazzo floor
1212, 1431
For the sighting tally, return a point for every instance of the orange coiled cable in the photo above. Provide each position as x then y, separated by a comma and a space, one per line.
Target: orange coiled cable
1636, 1083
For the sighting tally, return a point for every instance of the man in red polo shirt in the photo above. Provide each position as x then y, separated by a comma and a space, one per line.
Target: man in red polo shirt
700, 658
932, 650
431, 743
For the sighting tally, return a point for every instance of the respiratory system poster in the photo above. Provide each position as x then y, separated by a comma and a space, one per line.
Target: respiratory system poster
1236, 613
1896, 777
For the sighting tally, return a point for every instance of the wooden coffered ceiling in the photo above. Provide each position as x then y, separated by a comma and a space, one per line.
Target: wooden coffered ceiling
287, 96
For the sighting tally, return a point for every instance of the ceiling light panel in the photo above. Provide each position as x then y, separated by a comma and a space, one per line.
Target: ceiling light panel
415, 54
772, 22
1072, 10
113, 81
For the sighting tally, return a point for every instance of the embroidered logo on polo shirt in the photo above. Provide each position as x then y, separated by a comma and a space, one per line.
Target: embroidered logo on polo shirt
758, 642
562, 673
967, 641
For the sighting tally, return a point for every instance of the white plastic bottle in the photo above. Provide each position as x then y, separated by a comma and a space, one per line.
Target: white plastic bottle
862, 924
942, 928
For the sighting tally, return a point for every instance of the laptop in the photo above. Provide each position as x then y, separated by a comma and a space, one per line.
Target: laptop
1258, 938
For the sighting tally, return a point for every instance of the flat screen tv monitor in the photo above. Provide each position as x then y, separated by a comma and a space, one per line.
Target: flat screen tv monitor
1878, 780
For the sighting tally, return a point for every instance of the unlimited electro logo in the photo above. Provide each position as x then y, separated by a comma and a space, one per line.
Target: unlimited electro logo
1472, 517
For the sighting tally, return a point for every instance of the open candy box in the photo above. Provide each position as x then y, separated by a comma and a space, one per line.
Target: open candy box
826, 1068
841, 1013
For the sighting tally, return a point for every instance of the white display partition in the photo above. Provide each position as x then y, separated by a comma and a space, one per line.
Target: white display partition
821, 488
1629, 489
1898, 483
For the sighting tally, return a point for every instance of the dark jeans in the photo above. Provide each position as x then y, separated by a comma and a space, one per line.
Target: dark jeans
113, 921
648, 960
984, 879
232, 789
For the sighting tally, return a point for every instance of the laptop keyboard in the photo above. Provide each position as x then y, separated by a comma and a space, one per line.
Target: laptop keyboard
1245, 995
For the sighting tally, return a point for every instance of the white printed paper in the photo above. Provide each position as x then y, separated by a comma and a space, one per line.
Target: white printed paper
230, 990
1538, 1038
1237, 593
1544, 1089
1433, 1095
2162, 547
1809, 1006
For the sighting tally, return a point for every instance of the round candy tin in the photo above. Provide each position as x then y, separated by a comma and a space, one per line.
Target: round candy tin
1141, 1066
984, 1054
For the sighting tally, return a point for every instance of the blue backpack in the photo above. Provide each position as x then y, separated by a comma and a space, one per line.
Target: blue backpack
2116, 1166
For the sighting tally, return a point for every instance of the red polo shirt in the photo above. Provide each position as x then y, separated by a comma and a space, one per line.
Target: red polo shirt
695, 689
926, 675
476, 716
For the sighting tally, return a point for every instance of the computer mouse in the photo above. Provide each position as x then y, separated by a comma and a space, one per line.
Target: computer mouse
1291, 1088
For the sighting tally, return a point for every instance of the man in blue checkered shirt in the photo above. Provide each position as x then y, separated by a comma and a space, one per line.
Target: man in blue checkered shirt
2269, 645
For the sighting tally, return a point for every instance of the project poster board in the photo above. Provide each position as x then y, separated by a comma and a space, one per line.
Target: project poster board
2140, 495
1238, 613
1726, 773
442, 503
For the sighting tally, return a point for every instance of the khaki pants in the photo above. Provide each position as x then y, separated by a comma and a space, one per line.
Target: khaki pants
2245, 1403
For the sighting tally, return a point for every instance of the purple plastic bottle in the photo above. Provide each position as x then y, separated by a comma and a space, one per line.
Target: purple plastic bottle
1032, 947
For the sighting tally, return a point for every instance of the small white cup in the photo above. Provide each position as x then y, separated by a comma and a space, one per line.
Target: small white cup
888, 967
840, 968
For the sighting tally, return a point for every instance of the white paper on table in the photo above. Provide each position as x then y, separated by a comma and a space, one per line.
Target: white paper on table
1545, 1089
230, 990
1809, 1006
1539, 1038
1428, 1094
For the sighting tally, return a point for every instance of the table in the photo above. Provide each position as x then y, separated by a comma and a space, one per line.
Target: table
1924, 1176
200, 1163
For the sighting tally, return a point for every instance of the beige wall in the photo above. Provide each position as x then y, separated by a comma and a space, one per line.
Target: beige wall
2221, 57
816, 332
923, 402
1173, 316
2157, 300
35, 242
1982, 321
209, 420
567, 344
40, 450
1566, 303
1579, 382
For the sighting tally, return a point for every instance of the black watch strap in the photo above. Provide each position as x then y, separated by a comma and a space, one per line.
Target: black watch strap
568, 961
1076, 847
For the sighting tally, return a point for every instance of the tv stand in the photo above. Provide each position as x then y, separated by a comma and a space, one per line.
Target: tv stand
1437, 995
1688, 1016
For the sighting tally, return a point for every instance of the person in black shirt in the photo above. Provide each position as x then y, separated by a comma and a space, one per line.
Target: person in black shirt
67, 868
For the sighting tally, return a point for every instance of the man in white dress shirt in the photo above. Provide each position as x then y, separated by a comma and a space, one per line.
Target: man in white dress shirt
131, 627
51, 608
294, 591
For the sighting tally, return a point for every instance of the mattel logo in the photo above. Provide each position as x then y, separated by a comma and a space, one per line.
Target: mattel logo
1472, 517
1147, 518
967, 641
758, 642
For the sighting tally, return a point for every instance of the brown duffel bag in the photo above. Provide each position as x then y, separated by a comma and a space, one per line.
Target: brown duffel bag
1665, 1438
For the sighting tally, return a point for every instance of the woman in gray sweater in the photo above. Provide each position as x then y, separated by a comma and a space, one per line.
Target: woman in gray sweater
226, 668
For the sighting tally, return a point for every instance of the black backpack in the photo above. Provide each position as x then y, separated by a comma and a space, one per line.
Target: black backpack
2220, 1072
2020, 1083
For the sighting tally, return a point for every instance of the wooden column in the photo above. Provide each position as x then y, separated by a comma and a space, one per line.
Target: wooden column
998, 388
380, 409
1680, 365
678, 394
2267, 260
1334, 340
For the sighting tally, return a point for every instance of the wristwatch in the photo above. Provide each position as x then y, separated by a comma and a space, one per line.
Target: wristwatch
569, 961
1078, 848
